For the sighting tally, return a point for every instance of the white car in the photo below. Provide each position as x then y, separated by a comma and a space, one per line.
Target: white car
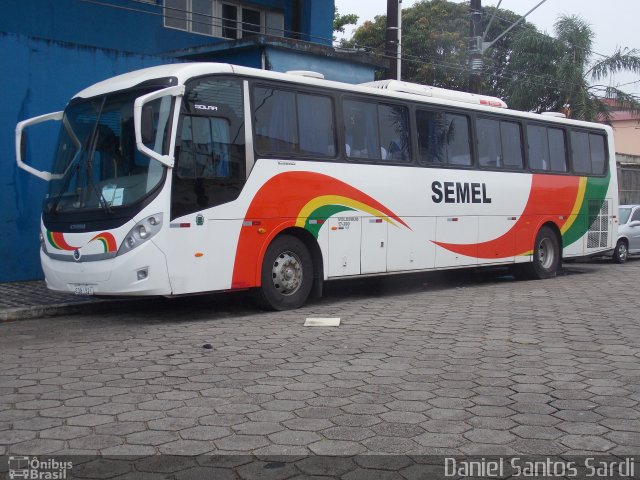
628, 233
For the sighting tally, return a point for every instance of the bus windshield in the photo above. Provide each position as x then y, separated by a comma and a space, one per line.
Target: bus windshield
97, 158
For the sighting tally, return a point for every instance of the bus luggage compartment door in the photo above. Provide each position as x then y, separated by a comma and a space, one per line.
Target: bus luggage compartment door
344, 246
459, 231
374, 245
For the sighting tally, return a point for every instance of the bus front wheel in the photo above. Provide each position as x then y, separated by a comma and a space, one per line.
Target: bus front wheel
546, 256
287, 274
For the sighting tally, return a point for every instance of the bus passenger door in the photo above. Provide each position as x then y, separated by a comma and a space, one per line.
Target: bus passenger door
344, 246
461, 234
374, 245
492, 227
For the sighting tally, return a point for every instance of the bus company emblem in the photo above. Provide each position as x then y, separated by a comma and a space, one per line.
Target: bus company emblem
77, 255
199, 220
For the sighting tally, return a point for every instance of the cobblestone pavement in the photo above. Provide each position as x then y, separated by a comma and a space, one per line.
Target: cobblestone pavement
480, 364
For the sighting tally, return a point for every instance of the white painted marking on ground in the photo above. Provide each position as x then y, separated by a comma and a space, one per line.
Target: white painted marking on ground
322, 322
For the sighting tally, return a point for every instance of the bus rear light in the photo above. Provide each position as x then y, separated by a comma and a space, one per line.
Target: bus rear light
251, 223
141, 232
316, 222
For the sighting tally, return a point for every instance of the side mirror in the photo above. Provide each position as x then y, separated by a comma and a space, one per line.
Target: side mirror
146, 128
144, 123
21, 144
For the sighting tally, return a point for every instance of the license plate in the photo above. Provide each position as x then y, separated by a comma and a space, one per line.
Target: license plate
83, 290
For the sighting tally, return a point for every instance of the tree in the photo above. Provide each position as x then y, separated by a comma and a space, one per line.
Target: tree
341, 21
435, 44
557, 74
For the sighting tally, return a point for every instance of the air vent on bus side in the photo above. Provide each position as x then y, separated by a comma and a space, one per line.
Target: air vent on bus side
435, 92
598, 234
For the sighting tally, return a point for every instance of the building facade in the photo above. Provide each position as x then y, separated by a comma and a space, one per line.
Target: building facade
51, 49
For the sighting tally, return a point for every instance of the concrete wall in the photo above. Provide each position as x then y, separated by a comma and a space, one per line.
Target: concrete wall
134, 26
42, 76
627, 136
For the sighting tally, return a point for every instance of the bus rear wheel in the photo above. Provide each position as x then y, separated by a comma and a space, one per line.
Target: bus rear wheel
287, 274
546, 256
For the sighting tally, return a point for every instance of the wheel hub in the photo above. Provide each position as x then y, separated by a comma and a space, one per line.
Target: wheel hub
287, 273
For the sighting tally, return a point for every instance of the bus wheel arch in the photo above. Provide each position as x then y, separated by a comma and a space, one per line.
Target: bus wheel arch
547, 254
290, 271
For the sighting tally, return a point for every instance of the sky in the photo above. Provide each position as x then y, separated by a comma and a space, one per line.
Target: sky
615, 22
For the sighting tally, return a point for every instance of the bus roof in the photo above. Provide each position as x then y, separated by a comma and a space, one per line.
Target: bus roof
183, 72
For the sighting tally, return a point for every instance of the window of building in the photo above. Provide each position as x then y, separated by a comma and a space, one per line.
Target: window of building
588, 153
443, 138
230, 20
499, 144
290, 123
547, 149
376, 131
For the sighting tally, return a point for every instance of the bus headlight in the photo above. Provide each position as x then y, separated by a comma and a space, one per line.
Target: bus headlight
141, 232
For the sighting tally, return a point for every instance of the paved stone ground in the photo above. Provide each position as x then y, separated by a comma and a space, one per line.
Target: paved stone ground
476, 365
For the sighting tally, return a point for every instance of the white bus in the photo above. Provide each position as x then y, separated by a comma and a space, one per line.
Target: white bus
207, 177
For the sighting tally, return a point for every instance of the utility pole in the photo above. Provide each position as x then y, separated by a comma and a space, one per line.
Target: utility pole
392, 38
476, 63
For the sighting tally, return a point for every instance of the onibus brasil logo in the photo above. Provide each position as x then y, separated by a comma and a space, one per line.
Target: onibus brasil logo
35, 469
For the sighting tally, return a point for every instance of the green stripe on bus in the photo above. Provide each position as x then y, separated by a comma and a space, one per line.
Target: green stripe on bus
596, 190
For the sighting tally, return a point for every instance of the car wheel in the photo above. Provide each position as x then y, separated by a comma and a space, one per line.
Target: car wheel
287, 274
621, 252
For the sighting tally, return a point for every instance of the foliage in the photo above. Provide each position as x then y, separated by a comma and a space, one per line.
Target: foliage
556, 74
341, 21
434, 44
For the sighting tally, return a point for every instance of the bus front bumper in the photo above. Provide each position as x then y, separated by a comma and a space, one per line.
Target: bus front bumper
142, 271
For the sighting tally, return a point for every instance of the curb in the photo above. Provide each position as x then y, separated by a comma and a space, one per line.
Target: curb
71, 308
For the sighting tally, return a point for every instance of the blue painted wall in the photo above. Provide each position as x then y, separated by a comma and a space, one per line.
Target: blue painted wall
43, 76
134, 26
332, 68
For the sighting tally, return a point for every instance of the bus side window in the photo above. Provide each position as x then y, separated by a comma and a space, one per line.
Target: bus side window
275, 121
598, 154
512, 156
394, 132
580, 156
489, 145
210, 151
431, 142
316, 125
458, 140
557, 150
361, 130
538, 147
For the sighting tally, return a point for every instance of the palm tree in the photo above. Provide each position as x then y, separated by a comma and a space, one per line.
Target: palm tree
560, 74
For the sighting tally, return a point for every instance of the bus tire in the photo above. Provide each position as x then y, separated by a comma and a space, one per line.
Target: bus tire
621, 252
546, 256
287, 274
